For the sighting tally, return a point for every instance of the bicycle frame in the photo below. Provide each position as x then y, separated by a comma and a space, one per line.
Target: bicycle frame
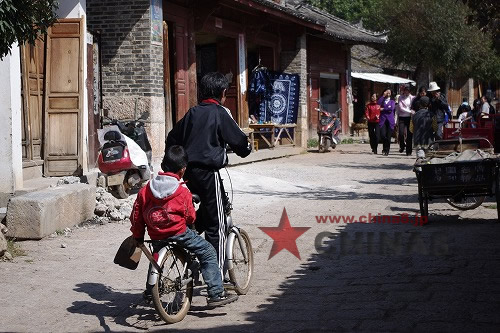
234, 233
155, 270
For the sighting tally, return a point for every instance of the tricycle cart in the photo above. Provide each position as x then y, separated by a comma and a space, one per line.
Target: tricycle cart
463, 184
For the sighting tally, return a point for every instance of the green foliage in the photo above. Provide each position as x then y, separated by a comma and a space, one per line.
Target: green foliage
311, 143
437, 34
15, 249
23, 21
347, 141
352, 11
446, 35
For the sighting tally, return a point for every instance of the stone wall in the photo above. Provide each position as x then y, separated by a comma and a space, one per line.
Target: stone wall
132, 65
296, 62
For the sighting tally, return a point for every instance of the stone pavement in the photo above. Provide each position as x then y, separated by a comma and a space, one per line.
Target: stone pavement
443, 276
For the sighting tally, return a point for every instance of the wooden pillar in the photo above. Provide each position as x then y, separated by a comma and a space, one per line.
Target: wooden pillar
242, 81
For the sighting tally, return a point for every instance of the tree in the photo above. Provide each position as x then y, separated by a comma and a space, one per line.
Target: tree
352, 11
437, 35
441, 35
23, 21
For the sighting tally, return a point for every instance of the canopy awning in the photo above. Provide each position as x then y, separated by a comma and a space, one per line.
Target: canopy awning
379, 77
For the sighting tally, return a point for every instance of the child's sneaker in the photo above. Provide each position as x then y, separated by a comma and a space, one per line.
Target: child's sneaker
222, 299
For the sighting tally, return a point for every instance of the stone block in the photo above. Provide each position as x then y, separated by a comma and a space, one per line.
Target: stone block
37, 214
3, 244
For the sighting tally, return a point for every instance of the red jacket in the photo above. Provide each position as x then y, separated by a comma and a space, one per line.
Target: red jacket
372, 112
164, 206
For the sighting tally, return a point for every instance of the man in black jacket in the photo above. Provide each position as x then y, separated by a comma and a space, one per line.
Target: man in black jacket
204, 132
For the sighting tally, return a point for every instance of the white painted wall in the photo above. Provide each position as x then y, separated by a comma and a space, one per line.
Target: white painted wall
11, 165
77, 9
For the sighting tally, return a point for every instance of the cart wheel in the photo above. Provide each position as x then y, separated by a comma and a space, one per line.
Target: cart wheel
466, 203
423, 201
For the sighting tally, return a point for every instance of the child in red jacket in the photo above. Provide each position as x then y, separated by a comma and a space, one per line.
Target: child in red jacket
164, 206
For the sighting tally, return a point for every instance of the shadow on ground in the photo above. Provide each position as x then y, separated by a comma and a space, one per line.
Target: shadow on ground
444, 276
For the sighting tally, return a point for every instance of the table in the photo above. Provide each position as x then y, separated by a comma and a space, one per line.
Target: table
249, 133
284, 129
263, 130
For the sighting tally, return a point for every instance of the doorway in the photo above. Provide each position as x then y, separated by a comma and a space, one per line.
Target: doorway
330, 91
216, 53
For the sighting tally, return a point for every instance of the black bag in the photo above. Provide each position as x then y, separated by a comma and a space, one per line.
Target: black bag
128, 254
492, 109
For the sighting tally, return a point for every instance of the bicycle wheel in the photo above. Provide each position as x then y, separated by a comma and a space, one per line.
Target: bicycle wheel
241, 273
423, 202
466, 203
172, 297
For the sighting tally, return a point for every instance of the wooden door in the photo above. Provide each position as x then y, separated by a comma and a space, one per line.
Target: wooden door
227, 64
64, 98
33, 73
314, 95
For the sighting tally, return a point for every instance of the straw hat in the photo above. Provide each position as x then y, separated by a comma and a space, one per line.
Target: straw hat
433, 86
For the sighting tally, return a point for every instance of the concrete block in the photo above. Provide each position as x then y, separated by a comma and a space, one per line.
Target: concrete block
37, 214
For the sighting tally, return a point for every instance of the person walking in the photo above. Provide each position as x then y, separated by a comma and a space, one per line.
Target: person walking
415, 106
387, 122
372, 114
423, 125
439, 106
404, 113
464, 107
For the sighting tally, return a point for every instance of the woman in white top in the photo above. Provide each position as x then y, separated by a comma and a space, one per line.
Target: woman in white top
404, 112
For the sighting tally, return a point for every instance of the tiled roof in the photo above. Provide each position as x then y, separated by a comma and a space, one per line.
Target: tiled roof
335, 27
365, 59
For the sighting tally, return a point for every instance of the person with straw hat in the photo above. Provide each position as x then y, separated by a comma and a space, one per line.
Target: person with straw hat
438, 106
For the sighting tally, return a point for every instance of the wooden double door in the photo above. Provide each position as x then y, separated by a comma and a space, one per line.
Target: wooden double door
52, 93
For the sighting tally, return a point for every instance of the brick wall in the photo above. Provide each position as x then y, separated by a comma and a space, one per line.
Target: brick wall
296, 62
132, 66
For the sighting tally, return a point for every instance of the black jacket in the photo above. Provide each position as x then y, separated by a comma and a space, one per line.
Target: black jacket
439, 106
204, 132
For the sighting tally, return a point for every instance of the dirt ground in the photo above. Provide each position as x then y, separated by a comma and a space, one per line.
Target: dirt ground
445, 276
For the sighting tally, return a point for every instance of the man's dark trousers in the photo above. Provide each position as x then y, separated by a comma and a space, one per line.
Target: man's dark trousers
404, 130
210, 217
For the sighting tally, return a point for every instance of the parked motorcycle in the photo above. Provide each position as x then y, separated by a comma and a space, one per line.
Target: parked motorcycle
125, 156
329, 127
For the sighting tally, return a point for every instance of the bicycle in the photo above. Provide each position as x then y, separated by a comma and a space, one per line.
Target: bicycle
175, 270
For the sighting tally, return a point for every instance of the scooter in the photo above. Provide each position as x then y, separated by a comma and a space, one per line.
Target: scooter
329, 127
124, 157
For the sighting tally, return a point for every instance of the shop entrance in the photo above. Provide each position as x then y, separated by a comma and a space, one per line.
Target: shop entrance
219, 54
330, 91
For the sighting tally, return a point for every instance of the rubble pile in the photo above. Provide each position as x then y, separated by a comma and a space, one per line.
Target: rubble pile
3, 241
110, 209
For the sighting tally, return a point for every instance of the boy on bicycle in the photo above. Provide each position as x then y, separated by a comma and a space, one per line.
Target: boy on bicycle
165, 207
204, 132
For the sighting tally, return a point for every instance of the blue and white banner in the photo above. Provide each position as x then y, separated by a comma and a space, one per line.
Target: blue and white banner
281, 107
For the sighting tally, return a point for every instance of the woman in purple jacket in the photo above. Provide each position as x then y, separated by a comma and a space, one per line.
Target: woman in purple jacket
387, 122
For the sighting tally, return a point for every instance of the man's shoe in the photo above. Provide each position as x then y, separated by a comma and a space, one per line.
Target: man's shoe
222, 299
147, 296
401, 149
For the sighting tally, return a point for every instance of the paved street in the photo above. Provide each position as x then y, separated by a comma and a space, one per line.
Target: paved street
444, 276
